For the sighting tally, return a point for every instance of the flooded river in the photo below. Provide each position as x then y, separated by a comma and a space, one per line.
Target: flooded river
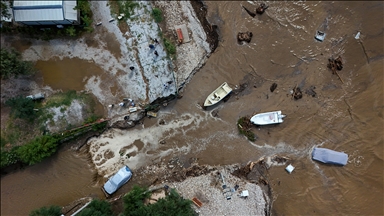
345, 115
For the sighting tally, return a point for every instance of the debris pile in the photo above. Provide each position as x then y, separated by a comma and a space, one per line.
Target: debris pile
336, 65
273, 87
259, 10
244, 37
297, 94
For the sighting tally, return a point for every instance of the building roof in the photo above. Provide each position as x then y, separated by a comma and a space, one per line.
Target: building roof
44, 10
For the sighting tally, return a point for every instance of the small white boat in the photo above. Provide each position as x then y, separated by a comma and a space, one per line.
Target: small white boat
267, 118
218, 95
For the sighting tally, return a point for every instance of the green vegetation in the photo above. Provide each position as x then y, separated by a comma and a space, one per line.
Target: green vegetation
243, 124
97, 208
4, 10
12, 65
85, 16
170, 47
171, 205
47, 211
22, 141
126, 7
157, 15
37, 150
22, 108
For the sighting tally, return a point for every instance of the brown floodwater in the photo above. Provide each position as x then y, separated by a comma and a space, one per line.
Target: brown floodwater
345, 115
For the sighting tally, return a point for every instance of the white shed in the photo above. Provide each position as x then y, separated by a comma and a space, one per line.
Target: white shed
52, 12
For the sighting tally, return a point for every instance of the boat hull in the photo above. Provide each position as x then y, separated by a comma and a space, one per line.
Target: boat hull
216, 96
267, 118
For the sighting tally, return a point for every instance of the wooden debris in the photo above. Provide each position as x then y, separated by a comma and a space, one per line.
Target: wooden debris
297, 94
336, 65
197, 202
244, 36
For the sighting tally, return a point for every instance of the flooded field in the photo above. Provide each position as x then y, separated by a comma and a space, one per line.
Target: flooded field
345, 114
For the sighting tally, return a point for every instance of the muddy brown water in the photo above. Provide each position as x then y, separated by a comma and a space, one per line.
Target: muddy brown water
344, 116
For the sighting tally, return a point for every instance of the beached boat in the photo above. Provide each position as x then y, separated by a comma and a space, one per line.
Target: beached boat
267, 118
217, 95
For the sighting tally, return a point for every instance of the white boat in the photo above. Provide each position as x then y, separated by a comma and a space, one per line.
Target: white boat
267, 118
218, 95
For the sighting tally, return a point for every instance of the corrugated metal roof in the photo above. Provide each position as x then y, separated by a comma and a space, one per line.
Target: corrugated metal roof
44, 10
38, 15
23, 3
69, 12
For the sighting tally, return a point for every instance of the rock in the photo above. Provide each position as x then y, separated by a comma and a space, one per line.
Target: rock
244, 36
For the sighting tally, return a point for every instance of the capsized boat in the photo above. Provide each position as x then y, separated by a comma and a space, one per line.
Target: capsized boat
216, 96
267, 118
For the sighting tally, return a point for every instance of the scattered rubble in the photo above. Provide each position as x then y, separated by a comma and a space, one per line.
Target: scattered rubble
311, 91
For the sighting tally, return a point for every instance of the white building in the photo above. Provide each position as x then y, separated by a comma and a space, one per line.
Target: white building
53, 12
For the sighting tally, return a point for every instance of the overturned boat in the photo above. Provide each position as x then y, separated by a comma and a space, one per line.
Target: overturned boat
267, 118
216, 96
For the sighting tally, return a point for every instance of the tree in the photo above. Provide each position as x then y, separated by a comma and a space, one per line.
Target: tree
22, 108
171, 205
12, 65
47, 211
37, 150
4, 12
134, 200
97, 208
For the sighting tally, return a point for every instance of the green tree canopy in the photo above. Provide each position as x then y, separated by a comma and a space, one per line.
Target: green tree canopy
171, 205
97, 208
38, 149
12, 65
4, 9
47, 211
22, 108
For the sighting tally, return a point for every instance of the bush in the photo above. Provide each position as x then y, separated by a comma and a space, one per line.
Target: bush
47, 211
8, 157
170, 47
97, 208
22, 108
37, 150
71, 31
157, 15
12, 65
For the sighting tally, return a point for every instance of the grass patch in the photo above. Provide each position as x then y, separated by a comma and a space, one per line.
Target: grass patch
170, 48
157, 15
244, 125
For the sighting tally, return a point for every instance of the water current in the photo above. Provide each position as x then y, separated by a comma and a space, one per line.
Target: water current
345, 115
